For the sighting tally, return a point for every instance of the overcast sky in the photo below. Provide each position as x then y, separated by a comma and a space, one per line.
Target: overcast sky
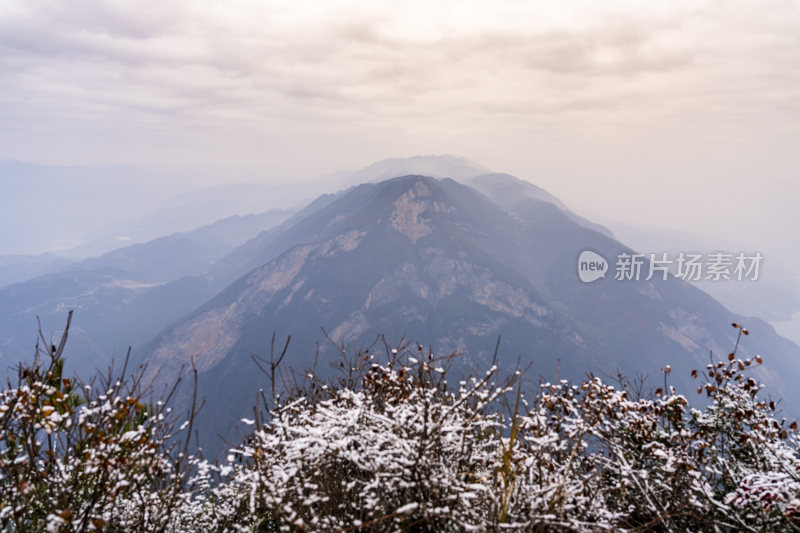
672, 113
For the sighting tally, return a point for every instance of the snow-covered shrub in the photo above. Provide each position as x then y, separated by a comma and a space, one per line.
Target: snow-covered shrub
85, 457
398, 453
545, 478
669, 467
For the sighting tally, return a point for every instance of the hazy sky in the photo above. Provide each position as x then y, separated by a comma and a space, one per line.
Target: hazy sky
673, 112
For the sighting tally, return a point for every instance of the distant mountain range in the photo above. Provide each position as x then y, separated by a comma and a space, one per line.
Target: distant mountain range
776, 296
123, 297
47, 208
452, 265
17, 268
436, 166
79, 212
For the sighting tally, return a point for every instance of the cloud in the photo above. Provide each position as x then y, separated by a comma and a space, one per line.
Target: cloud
171, 66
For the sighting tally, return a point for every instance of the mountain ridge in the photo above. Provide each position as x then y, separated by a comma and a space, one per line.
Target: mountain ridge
437, 262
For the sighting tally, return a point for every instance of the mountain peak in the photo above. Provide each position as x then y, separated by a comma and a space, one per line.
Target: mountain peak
437, 166
412, 180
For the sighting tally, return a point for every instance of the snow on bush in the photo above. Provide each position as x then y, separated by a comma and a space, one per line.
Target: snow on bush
396, 446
